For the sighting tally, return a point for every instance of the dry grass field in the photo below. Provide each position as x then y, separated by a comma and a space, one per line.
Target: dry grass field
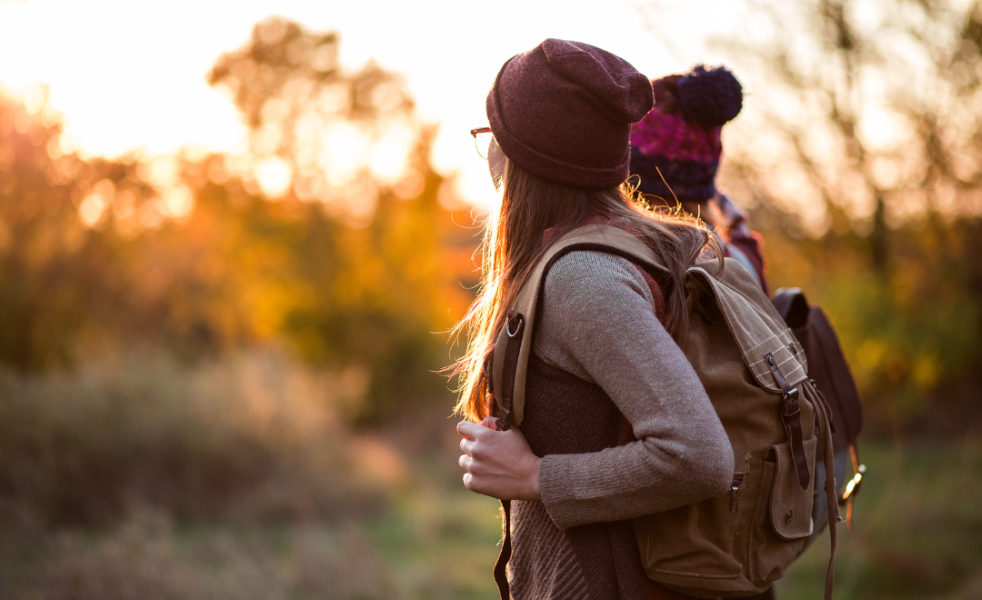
142, 478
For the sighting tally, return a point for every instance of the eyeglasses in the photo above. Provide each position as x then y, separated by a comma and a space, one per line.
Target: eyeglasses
482, 140
489, 150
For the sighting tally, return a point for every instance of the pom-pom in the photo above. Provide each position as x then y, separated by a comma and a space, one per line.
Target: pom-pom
710, 97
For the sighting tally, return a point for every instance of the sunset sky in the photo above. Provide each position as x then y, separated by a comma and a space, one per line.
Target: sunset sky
130, 76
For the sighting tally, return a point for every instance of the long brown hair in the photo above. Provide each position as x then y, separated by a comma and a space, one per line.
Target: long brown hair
513, 244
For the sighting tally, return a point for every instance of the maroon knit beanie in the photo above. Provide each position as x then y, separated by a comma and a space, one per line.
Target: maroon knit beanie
563, 111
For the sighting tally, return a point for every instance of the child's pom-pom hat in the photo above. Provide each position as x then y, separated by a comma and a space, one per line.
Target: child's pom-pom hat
680, 137
710, 97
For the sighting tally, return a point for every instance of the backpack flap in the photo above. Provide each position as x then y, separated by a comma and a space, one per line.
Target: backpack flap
514, 343
755, 325
769, 349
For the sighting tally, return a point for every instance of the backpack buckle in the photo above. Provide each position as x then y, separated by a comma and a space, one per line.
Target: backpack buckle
502, 419
791, 411
791, 396
791, 401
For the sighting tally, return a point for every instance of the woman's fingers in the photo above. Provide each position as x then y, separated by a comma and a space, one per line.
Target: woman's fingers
470, 430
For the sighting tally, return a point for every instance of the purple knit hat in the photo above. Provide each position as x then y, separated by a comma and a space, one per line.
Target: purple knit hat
563, 111
681, 136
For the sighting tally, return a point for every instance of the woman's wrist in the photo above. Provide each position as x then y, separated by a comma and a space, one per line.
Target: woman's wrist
535, 492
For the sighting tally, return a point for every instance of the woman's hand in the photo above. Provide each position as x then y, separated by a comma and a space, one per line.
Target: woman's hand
499, 464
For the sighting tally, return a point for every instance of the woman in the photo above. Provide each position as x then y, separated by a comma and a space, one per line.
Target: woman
617, 424
676, 150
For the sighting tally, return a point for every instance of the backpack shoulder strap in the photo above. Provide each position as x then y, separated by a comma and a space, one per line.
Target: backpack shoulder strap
792, 306
812, 327
514, 342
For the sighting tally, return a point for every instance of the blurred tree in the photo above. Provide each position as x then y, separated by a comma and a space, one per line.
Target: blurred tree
352, 263
861, 152
302, 107
61, 279
376, 288
868, 109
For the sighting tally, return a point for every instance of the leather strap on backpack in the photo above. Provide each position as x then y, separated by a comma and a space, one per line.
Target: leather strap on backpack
791, 415
501, 404
830, 493
513, 338
514, 342
501, 565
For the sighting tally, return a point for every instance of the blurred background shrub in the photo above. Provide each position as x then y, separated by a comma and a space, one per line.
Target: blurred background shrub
248, 438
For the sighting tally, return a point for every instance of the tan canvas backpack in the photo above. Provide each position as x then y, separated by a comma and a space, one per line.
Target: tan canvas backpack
756, 376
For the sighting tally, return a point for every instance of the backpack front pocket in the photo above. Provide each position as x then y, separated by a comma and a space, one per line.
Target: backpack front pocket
782, 520
689, 543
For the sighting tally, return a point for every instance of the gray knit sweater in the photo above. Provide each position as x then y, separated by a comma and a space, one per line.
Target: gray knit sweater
598, 323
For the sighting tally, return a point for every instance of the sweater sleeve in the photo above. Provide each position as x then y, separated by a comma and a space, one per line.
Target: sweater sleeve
598, 323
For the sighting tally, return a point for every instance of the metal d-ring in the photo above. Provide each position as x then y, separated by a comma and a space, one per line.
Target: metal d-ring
520, 320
